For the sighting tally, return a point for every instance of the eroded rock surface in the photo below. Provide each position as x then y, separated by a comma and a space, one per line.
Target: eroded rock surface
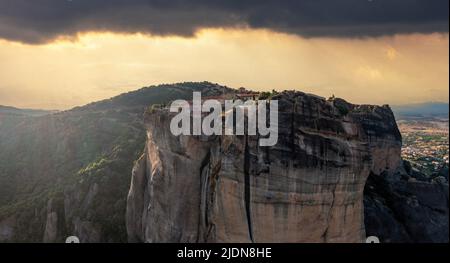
307, 188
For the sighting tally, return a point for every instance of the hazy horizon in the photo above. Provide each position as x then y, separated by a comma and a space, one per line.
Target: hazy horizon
148, 86
367, 52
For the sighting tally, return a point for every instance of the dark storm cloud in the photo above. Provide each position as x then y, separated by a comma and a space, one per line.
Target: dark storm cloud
37, 21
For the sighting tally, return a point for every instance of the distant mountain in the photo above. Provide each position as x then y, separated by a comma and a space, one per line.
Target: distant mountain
69, 173
73, 168
24, 112
428, 109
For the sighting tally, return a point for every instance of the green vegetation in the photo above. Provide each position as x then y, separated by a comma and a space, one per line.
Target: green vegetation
342, 109
80, 159
267, 95
154, 108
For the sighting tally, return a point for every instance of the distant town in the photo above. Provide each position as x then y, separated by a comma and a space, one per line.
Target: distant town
425, 143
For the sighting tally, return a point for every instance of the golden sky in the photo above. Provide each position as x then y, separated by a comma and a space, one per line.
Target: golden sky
397, 69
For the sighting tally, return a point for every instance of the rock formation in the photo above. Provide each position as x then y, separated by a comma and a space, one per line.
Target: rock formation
307, 188
68, 173
407, 206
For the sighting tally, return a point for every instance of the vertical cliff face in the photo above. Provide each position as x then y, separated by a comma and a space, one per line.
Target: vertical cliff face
306, 188
68, 173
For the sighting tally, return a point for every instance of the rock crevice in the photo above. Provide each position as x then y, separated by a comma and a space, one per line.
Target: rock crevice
307, 188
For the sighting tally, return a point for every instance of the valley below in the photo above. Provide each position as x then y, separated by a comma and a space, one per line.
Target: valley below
111, 171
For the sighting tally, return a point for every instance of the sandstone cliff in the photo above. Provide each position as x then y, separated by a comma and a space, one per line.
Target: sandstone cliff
307, 188
68, 173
